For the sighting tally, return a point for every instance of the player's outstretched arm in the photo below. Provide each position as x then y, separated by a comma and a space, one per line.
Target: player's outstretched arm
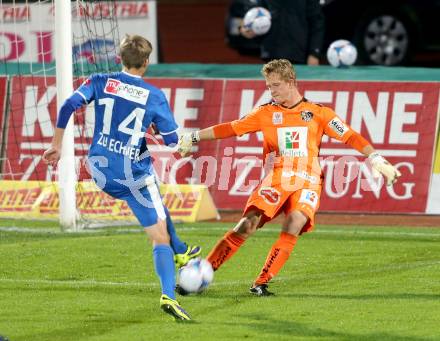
219, 131
187, 140
52, 155
378, 162
75, 101
382, 166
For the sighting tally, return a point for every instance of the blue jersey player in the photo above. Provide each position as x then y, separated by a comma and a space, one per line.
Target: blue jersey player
125, 106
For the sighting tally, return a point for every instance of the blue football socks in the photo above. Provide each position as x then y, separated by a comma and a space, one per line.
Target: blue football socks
163, 257
177, 245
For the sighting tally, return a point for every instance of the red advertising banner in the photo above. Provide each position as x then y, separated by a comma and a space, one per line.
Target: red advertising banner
400, 119
29, 127
31, 121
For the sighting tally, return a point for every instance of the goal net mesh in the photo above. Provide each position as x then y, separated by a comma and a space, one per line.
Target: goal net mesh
28, 103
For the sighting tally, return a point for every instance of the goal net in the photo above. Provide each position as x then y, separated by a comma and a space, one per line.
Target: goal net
29, 87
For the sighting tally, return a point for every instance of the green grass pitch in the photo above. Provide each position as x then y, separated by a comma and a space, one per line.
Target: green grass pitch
341, 283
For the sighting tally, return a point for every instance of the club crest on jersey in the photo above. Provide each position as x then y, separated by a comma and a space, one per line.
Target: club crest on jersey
306, 116
277, 117
127, 91
270, 195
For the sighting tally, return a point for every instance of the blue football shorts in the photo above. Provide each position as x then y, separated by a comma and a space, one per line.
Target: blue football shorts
145, 202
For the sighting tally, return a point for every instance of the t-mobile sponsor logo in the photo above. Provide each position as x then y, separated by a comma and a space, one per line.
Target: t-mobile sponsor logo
127, 91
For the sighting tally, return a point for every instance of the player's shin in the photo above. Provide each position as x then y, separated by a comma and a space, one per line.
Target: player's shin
163, 257
225, 249
277, 257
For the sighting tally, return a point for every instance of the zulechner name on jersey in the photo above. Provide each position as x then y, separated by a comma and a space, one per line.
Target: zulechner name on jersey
118, 147
127, 91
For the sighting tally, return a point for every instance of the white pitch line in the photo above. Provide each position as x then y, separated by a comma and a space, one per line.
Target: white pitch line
58, 231
382, 233
27, 229
269, 230
77, 283
335, 231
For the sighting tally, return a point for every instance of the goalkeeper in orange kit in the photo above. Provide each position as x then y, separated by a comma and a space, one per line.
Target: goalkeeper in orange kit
292, 128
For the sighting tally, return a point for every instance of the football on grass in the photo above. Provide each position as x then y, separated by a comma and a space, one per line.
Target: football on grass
195, 276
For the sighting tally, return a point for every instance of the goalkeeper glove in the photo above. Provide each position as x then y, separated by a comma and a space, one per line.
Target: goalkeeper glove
186, 141
382, 166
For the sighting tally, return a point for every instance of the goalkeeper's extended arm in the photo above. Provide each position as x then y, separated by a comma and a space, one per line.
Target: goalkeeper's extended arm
382, 166
379, 164
219, 131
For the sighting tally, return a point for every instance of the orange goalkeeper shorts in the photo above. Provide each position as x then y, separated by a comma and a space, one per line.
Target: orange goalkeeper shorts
273, 200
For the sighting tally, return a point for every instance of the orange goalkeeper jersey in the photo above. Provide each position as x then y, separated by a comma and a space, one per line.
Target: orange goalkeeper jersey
292, 136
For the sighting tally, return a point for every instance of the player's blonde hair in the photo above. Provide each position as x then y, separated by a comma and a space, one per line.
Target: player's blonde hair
134, 50
282, 67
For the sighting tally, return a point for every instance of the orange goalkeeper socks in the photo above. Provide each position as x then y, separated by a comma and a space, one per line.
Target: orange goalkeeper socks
276, 258
225, 249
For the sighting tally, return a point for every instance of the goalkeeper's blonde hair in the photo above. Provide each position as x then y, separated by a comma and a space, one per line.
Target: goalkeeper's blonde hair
134, 51
282, 67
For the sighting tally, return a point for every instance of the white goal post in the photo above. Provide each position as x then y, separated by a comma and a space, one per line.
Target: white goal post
67, 177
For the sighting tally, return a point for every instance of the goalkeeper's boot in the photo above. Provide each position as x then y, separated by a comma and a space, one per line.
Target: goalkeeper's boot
180, 259
173, 308
260, 290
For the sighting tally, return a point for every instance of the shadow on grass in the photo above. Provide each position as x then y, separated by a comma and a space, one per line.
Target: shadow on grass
143, 323
89, 327
291, 329
403, 296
